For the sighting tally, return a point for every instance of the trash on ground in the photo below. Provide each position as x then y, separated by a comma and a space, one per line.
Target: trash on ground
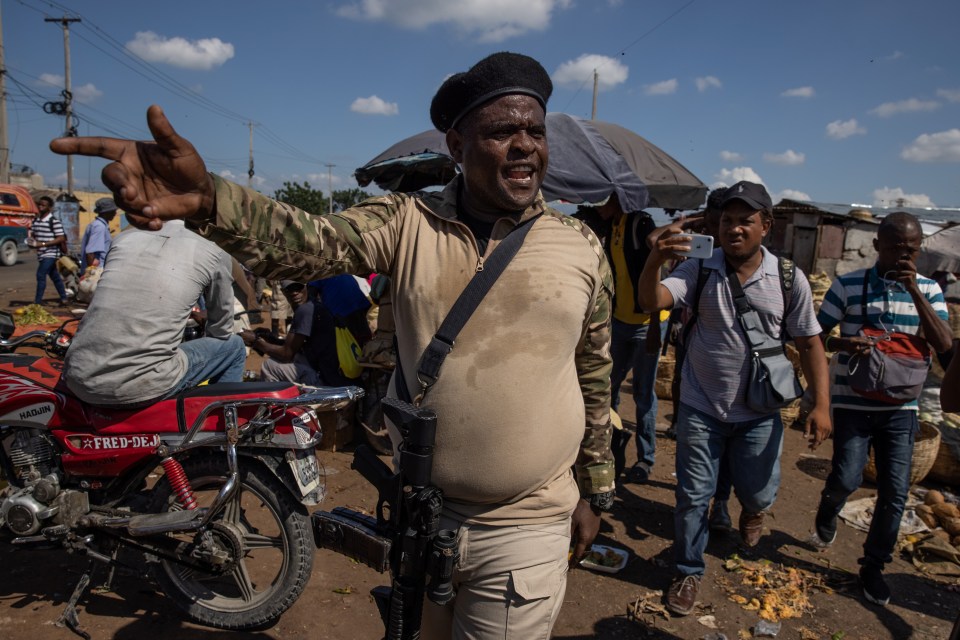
766, 629
859, 513
774, 591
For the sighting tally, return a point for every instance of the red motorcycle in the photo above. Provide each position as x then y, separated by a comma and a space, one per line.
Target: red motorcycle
208, 490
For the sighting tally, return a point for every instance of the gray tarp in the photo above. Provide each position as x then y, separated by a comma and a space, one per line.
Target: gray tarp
589, 160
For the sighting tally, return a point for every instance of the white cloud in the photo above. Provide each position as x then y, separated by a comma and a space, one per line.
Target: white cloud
374, 106
887, 197
731, 156
489, 20
950, 95
934, 147
574, 74
52, 79
663, 88
203, 54
232, 177
727, 177
84, 93
787, 158
799, 92
322, 181
706, 82
840, 129
888, 109
791, 194
896, 55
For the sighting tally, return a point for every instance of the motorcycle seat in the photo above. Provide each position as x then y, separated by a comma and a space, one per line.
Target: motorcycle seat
177, 414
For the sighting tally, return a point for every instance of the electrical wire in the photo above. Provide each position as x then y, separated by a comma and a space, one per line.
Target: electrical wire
169, 83
622, 51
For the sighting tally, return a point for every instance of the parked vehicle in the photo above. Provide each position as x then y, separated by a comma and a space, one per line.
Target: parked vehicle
208, 491
17, 210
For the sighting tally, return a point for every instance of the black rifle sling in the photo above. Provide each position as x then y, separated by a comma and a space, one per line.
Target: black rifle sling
470, 298
787, 273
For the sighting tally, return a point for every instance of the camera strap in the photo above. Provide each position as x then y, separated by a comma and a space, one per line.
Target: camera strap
470, 298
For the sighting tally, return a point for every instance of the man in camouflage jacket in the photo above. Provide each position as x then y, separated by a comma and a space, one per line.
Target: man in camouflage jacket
525, 393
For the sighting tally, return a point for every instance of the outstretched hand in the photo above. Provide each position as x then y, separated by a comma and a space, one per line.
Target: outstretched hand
152, 181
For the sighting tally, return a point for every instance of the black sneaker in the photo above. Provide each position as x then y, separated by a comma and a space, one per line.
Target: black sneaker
639, 474
875, 588
825, 529
719, 520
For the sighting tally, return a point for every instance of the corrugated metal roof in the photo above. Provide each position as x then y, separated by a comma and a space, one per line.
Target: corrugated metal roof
940, 216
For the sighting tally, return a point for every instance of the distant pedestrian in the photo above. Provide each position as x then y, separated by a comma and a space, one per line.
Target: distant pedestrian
96, 238
48, 238
636, 336
895, 299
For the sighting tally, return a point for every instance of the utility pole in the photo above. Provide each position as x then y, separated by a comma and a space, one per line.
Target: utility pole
250, 170
68, 98
4, 143
330, 183
596, 84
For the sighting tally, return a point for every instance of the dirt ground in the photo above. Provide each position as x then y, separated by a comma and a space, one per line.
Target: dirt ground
35, 584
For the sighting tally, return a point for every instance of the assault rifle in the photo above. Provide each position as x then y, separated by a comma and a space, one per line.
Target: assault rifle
405, 537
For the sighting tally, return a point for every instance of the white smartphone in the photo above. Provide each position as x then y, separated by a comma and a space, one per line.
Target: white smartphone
701, 246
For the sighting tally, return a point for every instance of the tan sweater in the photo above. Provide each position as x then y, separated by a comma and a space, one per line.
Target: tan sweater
524, 395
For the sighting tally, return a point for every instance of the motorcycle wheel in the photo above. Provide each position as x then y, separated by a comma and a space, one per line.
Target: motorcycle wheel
267, 536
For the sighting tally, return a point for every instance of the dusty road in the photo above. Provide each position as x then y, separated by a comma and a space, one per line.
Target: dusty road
34, 584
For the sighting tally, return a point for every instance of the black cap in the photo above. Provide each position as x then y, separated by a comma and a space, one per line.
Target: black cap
499, 74
752, 193
290, 284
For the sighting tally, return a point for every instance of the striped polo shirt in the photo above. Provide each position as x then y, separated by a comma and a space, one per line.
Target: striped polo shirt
717, 366
889, 306
45, 229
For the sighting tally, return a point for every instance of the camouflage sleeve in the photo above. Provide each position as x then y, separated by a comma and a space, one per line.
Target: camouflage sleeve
279, 241
594, 466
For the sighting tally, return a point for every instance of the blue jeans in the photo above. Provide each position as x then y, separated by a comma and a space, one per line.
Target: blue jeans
211, 359
48, 267
892, 434
628, 349
753, 448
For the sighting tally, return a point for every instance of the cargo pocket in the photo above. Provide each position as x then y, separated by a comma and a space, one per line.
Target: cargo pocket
537, 582
536, 597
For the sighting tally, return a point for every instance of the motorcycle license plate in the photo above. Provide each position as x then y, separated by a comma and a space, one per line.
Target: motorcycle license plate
306, 470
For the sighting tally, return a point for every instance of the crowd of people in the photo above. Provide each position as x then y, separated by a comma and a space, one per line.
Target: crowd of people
527, 455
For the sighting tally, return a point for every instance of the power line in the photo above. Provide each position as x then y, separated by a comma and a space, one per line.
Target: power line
171, 84
622, 51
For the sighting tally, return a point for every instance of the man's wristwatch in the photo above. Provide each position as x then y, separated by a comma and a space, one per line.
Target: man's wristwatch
601, 501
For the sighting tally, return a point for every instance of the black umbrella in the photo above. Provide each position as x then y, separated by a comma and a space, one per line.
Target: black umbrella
589, 160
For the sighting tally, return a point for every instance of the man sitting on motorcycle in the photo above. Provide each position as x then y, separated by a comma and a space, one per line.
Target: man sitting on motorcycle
129, 349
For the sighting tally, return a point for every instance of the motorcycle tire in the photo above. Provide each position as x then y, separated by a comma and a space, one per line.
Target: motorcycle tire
268, 538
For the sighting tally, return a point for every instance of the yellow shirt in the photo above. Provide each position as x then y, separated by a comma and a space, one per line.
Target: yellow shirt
626, 295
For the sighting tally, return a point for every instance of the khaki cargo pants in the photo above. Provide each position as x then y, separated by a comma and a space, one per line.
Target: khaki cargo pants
509, 583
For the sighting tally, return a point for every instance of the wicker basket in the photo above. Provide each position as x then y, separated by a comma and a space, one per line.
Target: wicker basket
665, 372
925, 450
946, 466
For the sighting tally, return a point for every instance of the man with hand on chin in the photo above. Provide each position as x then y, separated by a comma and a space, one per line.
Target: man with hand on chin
713, 416
524, 395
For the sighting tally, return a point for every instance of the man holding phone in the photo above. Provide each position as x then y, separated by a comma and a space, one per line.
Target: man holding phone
713, 416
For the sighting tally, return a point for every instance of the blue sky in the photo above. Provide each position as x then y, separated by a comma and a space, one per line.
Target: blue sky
836, 101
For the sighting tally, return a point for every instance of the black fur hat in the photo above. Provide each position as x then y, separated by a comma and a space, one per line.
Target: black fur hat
496, 75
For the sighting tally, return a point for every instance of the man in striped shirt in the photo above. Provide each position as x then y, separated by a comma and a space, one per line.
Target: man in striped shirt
897, 299
713, 418
47, 234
